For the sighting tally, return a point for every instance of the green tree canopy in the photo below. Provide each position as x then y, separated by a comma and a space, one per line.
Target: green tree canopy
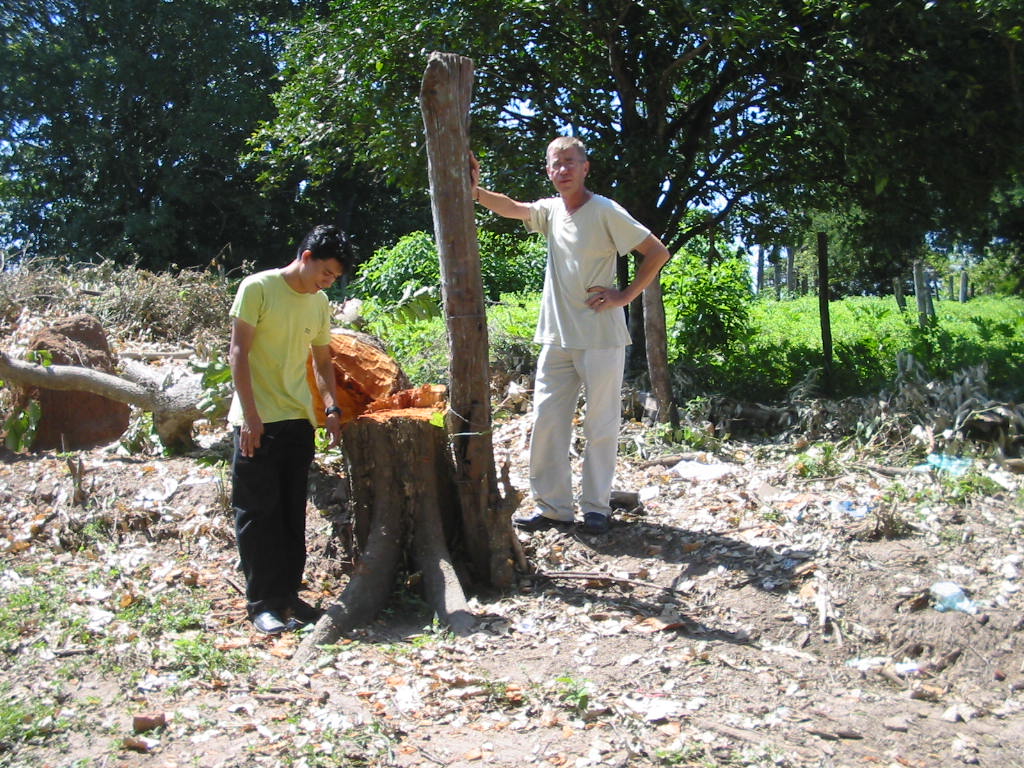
122, 122
910, 110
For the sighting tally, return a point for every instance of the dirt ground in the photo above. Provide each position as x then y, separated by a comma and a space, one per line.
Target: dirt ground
741, 613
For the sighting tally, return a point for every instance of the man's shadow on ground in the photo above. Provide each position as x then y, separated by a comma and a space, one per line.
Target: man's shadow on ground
766, 568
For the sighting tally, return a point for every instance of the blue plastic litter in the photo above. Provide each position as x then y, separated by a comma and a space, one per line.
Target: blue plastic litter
949, 596
851, 508
954, 465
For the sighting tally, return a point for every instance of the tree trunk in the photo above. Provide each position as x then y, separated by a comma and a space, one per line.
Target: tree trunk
657, 354
760, 269
636, 353
963, 287
777, 272
713, 255
823, 310
897, 290
635, 359
486, 521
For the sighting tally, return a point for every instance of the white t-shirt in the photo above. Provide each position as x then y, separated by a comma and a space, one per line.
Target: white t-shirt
582, 248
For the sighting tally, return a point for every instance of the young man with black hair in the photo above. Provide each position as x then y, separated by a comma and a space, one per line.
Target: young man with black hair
278, 317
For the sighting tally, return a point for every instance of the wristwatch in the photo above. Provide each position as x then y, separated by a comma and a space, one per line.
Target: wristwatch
333, 411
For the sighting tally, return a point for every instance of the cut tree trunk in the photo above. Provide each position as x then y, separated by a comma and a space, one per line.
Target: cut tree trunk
403, 489
414, 486
363, 374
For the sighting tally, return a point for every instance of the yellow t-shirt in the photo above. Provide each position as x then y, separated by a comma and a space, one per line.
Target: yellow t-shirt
287, 324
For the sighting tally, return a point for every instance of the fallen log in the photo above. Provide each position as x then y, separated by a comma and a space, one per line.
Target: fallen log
364, 372
174, 411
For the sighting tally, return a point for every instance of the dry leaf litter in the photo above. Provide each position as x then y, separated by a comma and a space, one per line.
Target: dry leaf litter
742, 611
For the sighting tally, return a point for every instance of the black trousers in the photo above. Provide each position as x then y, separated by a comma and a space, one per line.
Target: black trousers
268, 493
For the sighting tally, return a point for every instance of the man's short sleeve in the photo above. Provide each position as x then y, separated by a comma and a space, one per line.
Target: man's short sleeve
625, 231
540, 217
248, 301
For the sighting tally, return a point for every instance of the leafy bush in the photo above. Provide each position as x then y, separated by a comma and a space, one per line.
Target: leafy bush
508, 264
419, 343
511, 263
510, 328
386, 275
707, 308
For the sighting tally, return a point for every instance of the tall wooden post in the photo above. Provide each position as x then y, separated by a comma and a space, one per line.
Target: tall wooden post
791, 271
444, 101
922, 292
824, 311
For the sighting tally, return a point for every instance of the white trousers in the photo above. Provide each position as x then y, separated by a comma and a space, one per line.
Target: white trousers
560, 373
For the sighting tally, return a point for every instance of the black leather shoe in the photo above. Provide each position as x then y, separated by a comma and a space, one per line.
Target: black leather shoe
595, 523
269, 623
537, 522
303, 613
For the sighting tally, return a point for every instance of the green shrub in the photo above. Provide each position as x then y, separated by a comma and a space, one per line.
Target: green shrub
986, 330
418, 344
508, 263
510, 327
511, 263
707, 311
386, 275
729, 343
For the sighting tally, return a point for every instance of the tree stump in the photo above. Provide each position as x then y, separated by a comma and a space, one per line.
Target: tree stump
407, 482
363, 374
402, 487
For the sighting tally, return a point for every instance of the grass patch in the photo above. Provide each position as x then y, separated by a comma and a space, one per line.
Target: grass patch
28, 603
166, 612
196, 657
867, 334
25, 721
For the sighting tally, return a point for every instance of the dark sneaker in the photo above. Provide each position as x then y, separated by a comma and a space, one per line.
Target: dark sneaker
269, 623
595, 523
303, 613
537, 522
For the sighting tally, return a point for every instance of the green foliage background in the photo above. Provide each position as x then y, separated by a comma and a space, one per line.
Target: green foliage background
508, 264
784, 344
721, 337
